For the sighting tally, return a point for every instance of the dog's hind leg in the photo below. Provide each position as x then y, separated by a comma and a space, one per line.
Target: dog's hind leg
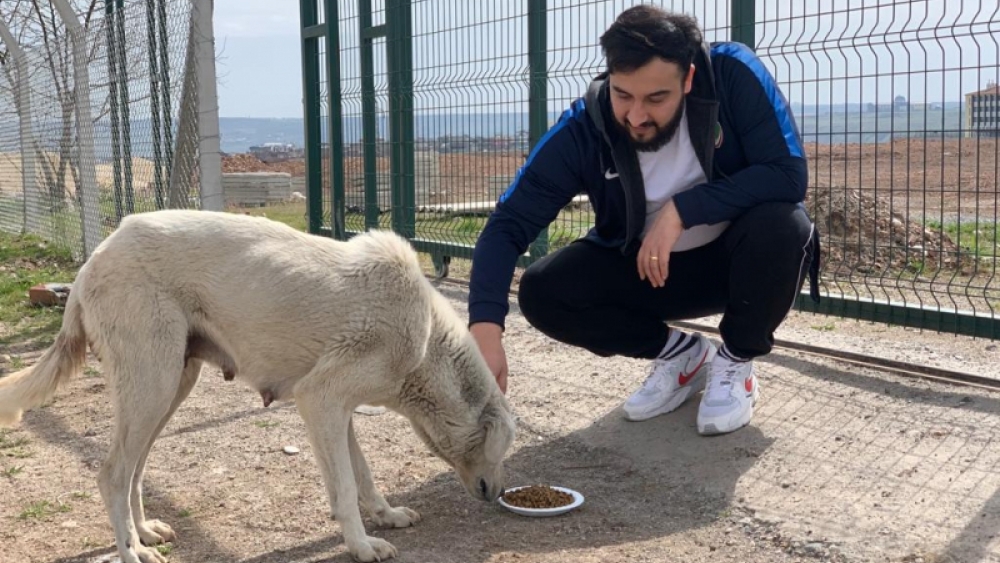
143, 383
323, 400
153, 532
373, 501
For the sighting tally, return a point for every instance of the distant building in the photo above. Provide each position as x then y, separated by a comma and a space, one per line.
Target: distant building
277, 152
899, 103
982, 112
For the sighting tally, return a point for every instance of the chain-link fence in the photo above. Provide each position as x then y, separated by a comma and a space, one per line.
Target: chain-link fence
438, 102
83, 145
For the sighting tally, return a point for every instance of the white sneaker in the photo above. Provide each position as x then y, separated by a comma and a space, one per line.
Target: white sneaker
730, 395
671, 382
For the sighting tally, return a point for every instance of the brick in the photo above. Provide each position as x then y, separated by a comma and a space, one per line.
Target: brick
49, 294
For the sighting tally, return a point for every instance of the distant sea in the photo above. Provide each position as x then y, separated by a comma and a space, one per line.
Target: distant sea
819, 124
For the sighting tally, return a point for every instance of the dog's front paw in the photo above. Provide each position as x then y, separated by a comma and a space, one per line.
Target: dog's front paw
372, 549
149, 555
154, 532
400, 517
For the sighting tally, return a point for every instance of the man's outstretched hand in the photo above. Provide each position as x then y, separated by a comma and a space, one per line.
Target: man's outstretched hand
489, 337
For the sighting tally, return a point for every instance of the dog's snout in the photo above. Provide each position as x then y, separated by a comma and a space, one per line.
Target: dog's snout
490, 491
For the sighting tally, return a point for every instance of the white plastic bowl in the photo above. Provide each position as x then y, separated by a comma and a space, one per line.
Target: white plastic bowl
543, 512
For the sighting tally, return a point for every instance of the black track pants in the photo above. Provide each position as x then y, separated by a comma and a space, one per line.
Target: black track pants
589, 296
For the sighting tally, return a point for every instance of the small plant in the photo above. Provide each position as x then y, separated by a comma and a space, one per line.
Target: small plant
8, 444
14, 447
12, 471
265, 423
828, 327
16, 363
42, 509
979, 238
17, 453
164, 549
91, 372
82, 495
469, 225
35, 510
90, 543
185, 513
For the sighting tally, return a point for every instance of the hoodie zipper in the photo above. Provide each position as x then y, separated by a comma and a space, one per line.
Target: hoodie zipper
625, 189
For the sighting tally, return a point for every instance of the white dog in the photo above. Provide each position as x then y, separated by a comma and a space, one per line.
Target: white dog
327, 324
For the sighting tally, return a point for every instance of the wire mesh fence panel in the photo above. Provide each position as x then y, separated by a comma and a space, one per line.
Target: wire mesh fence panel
468, 131
471, 73
575, 58
896, 104
365, 116
470, 96
896, 101
112, 136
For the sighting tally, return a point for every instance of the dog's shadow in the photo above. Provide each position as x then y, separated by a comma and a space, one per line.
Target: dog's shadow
641, 481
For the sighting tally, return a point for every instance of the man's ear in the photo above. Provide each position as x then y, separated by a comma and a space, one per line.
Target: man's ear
689, 80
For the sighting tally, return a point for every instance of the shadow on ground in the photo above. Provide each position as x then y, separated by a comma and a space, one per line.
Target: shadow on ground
642, 481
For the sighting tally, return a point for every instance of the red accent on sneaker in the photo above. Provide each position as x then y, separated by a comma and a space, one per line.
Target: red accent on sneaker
685, 378
748, 384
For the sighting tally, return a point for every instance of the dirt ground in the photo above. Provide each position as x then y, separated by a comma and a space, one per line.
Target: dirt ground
840, 464
937, 179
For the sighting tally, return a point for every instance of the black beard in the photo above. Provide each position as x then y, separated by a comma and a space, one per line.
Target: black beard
663, 134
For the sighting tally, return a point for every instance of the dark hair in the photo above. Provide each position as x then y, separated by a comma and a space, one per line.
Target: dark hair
643, 32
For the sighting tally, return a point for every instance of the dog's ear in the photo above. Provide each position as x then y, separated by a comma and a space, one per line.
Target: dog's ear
498, 432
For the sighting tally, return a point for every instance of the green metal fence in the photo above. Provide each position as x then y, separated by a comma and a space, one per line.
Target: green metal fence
432, 105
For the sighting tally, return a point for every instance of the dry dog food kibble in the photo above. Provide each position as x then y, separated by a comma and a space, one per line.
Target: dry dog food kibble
538, 496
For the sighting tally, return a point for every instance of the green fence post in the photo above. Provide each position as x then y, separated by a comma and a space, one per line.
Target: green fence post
400, 66
311, 101
335, 127
538, 98
369, 130
742, 22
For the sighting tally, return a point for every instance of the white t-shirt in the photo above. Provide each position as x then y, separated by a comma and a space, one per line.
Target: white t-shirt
672, 169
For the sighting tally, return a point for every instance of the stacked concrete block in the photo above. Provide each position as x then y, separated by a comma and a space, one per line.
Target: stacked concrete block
255, 189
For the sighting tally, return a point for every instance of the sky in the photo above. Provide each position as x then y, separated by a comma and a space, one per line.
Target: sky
259, 62
924, 50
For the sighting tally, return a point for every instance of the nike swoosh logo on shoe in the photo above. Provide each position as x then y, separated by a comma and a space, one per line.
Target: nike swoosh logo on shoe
685, 378
610, 175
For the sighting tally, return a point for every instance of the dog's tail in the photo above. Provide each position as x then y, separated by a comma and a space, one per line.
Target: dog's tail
33, 386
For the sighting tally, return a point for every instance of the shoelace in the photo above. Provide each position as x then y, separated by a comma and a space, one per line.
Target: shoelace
720, 386
654, 376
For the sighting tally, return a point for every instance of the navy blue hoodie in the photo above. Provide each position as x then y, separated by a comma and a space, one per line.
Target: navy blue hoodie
741, 128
